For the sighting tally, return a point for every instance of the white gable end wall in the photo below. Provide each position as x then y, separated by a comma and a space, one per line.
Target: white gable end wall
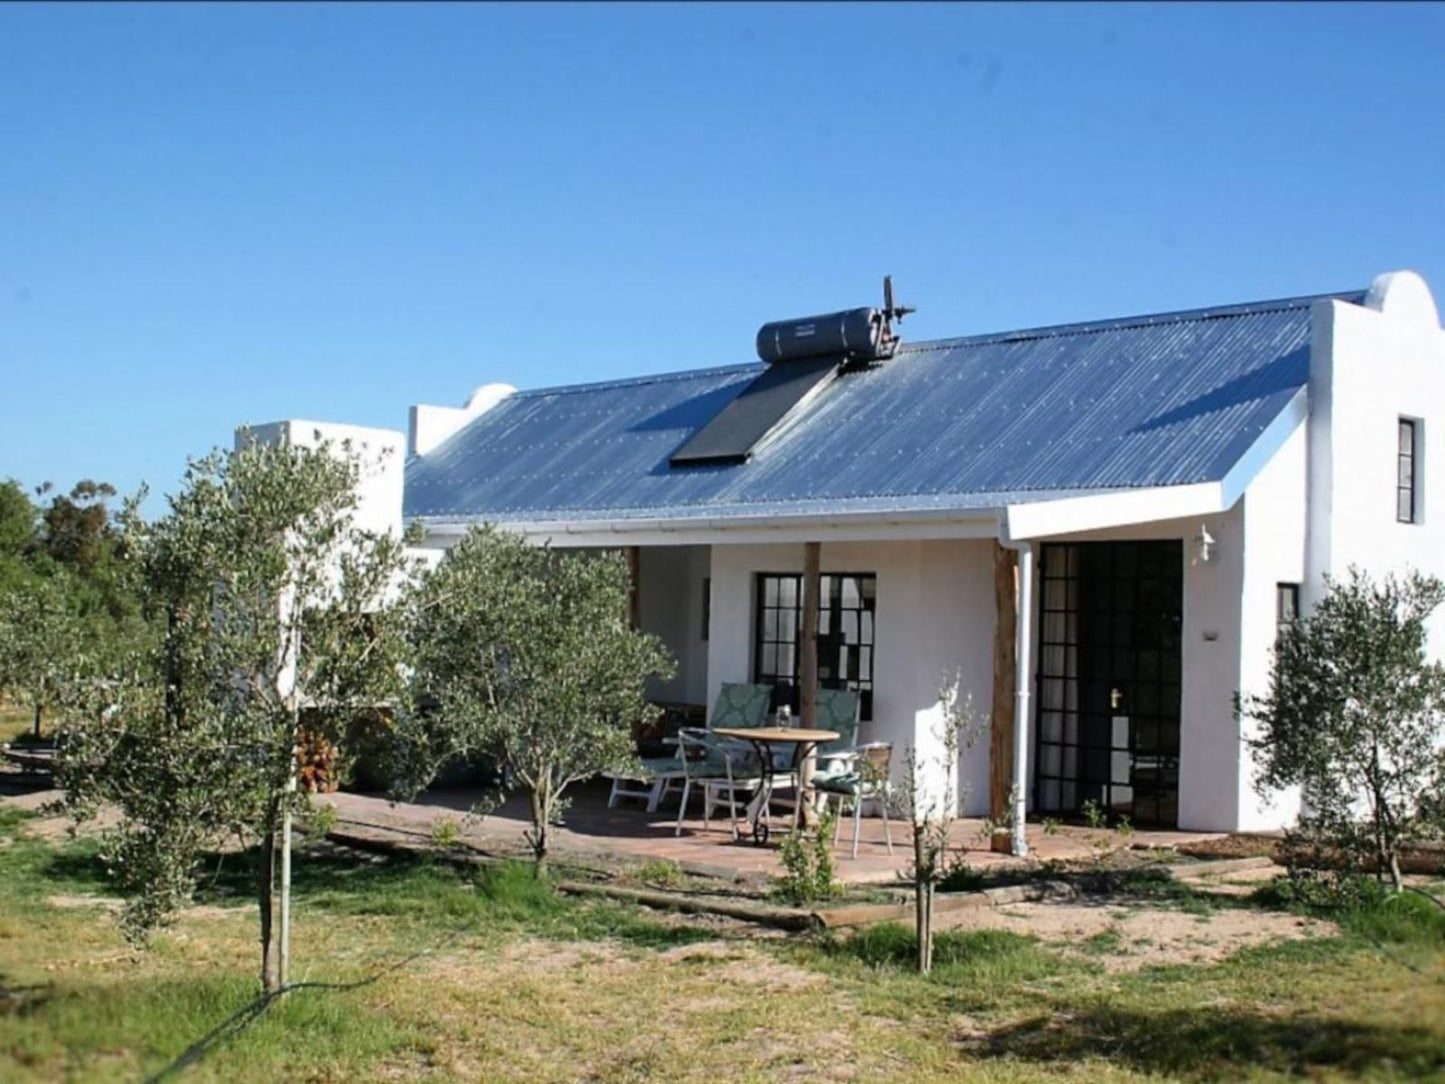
1370, 366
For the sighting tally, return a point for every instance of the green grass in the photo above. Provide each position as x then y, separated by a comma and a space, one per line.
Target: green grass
357, 918
487, 974
1105, 943
15, 722
1369, 1002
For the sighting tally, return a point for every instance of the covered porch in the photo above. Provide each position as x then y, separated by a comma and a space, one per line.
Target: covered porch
1116, 629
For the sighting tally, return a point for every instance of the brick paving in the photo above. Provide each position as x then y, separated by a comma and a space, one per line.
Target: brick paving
629, 833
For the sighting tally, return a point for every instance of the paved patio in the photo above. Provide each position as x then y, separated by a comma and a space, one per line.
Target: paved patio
629, 833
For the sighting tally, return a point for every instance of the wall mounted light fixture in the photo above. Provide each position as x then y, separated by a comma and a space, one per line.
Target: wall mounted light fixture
1204, 541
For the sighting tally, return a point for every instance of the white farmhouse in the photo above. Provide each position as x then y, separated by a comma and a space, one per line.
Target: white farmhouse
1170, 488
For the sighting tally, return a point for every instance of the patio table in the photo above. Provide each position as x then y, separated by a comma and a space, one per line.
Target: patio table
763, 738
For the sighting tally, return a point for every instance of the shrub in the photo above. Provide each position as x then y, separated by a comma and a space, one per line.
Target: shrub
810, 873
1355, 716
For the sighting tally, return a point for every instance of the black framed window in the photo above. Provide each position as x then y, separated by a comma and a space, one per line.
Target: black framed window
1286, 604
846, 605
1407, 468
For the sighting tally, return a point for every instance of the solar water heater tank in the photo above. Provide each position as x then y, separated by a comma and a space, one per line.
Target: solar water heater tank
855, 334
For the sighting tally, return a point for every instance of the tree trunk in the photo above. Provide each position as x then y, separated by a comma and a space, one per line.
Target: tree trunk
634, 573
37, 720
1387, 849
1001, 719
265, 898
541, 815
922, 898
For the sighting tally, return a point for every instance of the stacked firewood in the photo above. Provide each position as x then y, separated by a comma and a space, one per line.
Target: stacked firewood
318, 764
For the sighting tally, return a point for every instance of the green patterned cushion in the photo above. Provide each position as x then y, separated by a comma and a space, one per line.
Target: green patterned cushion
741, 705
838, 710
847, 783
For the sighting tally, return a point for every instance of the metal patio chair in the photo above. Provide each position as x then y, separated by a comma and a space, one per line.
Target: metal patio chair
723, 773
867, 779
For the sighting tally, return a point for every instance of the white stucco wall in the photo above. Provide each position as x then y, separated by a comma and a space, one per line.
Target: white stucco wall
382, 463
1275, 521
934, 615
670, 606
1370, 365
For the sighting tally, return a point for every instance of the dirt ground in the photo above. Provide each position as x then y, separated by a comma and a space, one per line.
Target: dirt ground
1124, 935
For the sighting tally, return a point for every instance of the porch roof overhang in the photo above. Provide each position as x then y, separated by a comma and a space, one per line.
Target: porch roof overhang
1131, 507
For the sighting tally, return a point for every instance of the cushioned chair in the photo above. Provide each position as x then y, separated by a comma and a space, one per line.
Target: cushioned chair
652, 781
838, 709
741, 705
715, 769
738, 705
866, 778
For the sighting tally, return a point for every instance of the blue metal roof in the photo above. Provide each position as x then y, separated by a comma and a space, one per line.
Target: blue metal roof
968, 423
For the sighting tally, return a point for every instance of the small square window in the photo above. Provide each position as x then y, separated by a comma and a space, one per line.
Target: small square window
1286, 604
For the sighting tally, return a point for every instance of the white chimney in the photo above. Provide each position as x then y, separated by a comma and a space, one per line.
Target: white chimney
428, 426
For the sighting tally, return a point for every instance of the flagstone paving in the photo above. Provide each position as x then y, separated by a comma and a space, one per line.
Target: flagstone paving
630, 834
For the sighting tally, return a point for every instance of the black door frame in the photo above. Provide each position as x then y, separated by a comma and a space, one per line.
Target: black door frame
1108, 681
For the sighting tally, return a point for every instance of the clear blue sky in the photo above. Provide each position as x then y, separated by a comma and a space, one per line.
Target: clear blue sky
212, 215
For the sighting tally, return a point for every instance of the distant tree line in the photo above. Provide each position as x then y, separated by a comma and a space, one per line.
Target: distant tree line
68, 600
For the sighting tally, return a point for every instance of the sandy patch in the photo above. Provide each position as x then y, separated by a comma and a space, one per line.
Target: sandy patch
731, 962
1128, 937
107, 903
549, 957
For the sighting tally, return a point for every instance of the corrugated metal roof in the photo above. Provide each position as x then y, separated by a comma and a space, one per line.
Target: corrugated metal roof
977, 422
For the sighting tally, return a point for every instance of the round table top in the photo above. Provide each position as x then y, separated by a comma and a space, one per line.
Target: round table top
777, 733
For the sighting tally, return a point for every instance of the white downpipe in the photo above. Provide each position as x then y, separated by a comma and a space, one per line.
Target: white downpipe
1023, 669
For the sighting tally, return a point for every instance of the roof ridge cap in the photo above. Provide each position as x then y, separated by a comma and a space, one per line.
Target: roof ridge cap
1130, 323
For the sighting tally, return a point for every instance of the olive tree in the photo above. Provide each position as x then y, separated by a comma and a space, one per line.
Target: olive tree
275, 609
930, 795
527, 655
1354, 716
43, 641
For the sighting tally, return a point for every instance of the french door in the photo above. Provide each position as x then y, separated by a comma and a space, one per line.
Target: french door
1108, 687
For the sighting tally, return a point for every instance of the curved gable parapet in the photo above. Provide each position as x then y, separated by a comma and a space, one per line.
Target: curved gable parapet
1403, 295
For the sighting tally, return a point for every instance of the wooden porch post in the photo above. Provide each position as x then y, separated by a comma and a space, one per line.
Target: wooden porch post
1001, 718
808, 666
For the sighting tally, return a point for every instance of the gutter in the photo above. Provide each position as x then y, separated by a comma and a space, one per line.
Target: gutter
988, 522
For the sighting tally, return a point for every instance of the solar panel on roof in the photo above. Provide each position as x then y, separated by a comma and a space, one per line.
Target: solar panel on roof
731, 436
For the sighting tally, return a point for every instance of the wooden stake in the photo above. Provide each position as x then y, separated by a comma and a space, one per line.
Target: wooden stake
1005, 662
